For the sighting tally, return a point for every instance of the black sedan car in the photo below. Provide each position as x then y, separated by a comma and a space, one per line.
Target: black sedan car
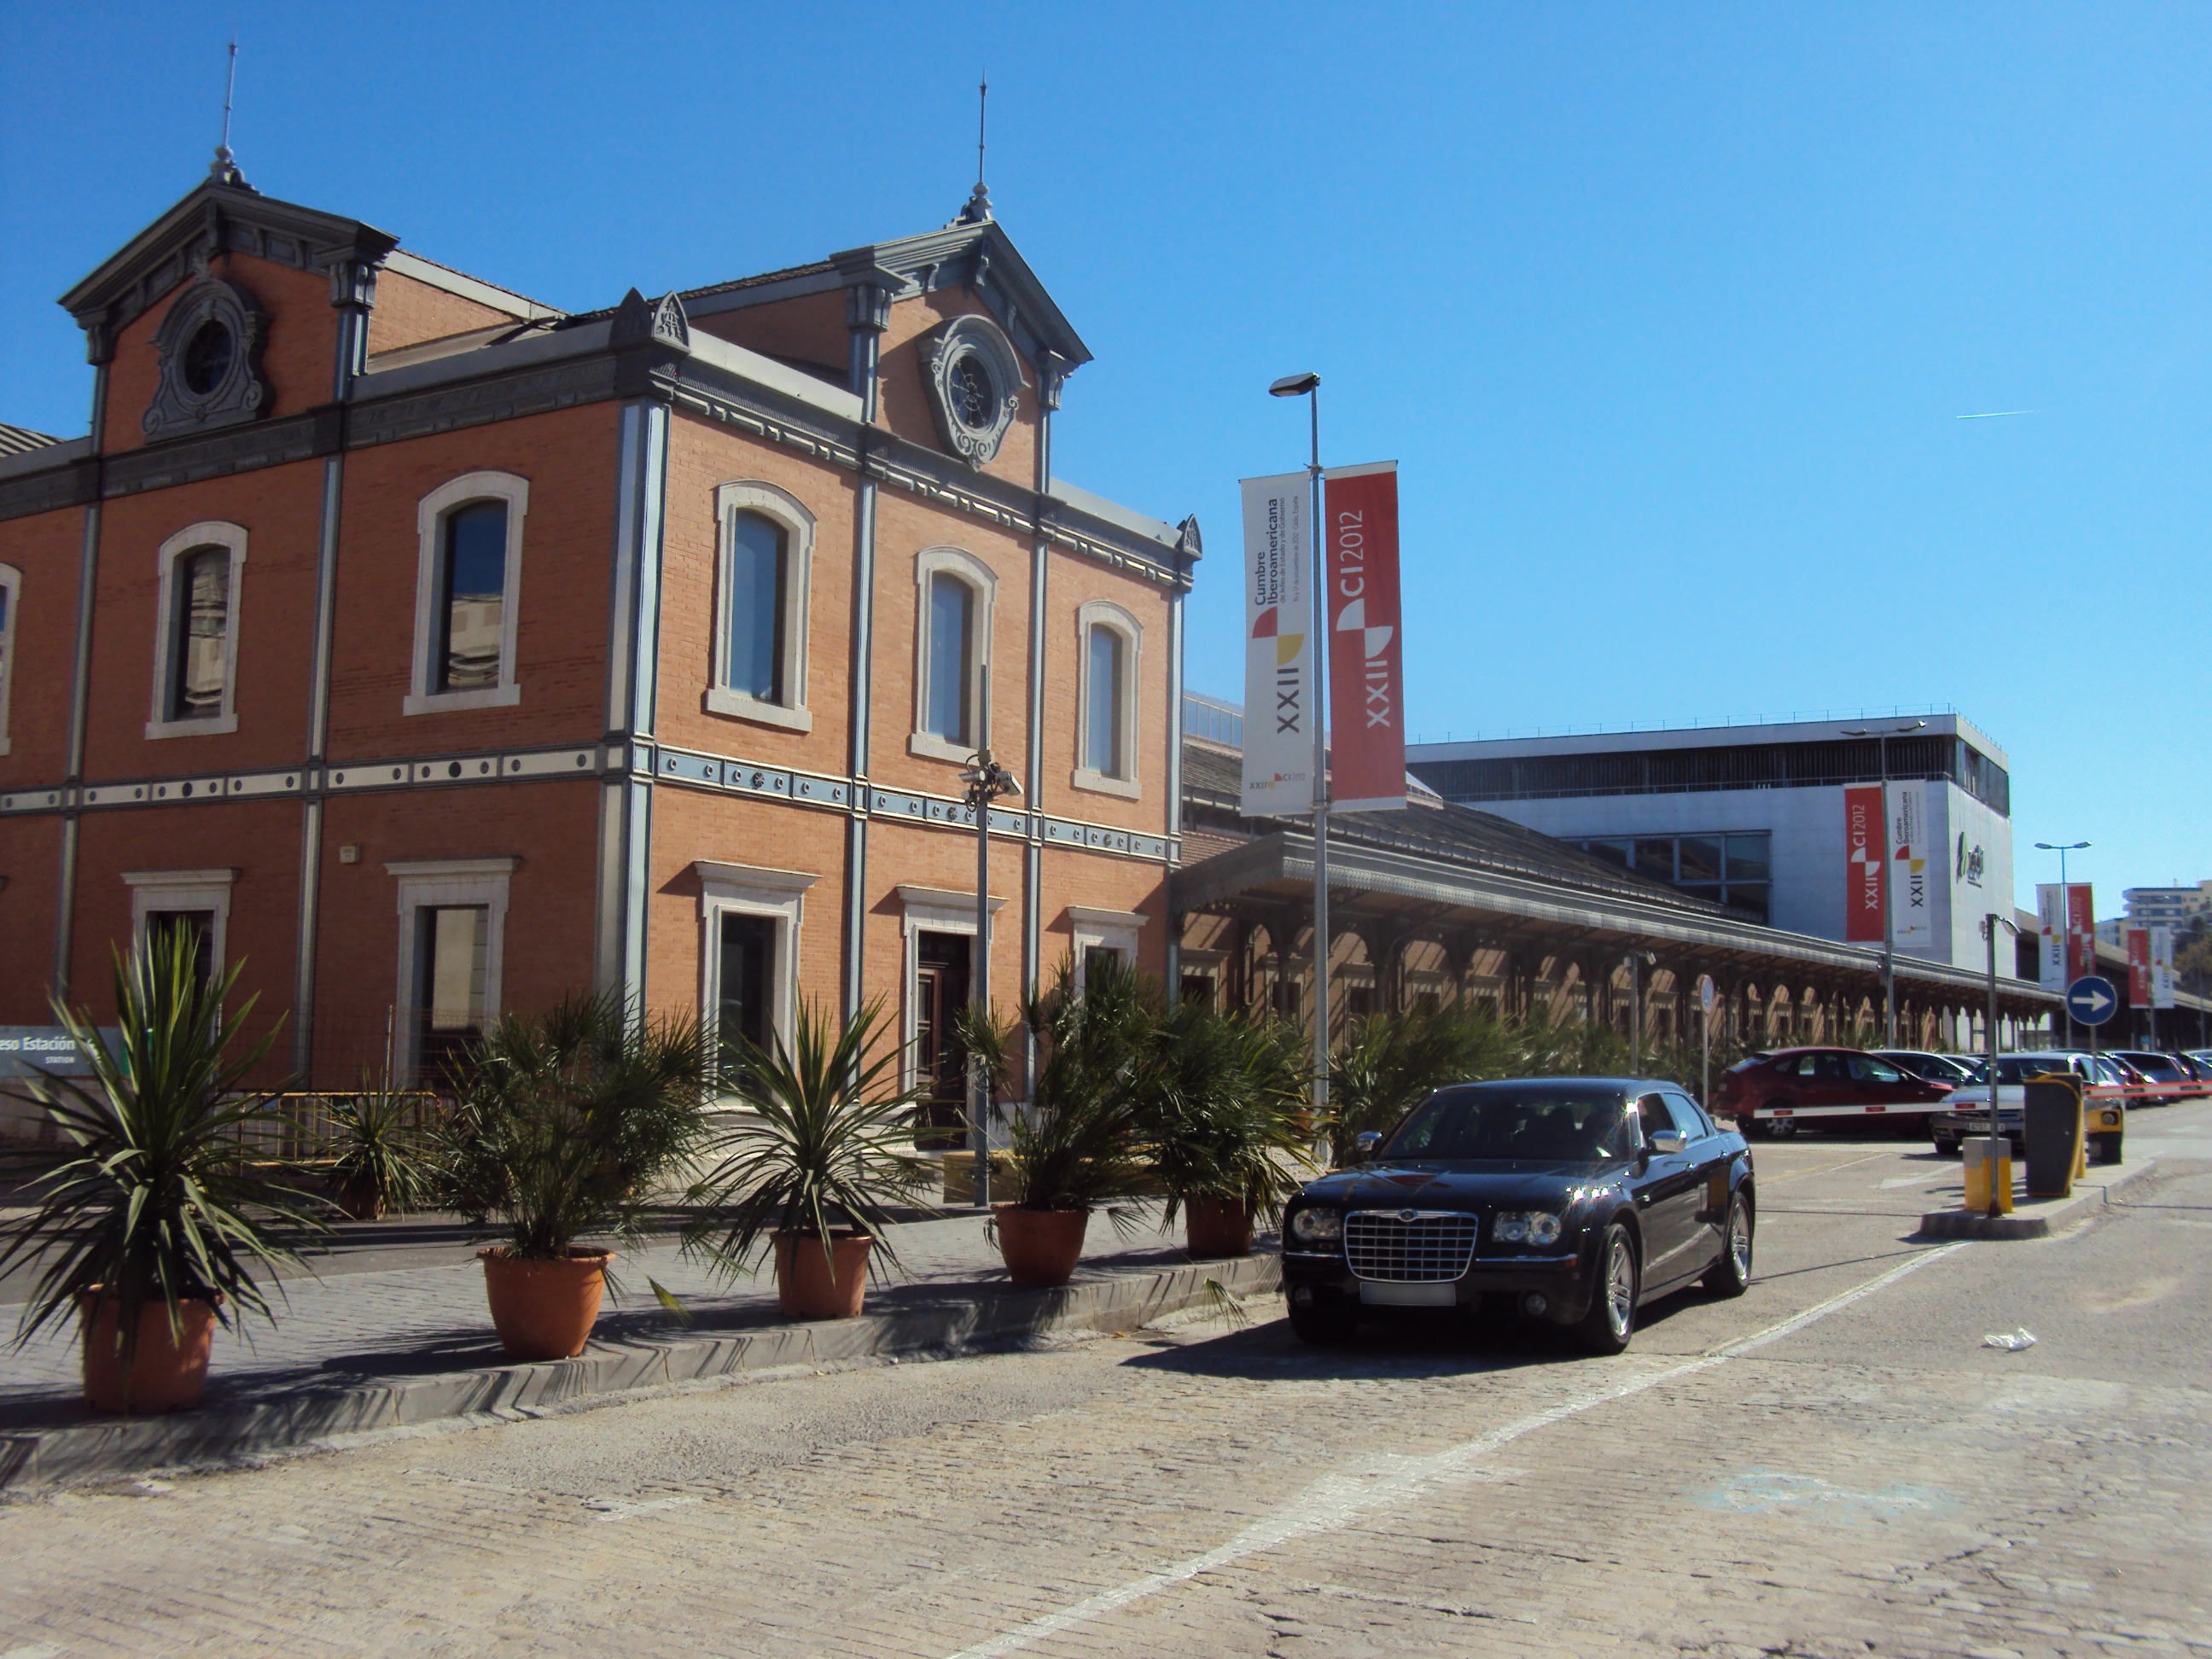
1571, 1200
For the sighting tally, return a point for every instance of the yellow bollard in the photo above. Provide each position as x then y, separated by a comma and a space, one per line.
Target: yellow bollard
1976, 1153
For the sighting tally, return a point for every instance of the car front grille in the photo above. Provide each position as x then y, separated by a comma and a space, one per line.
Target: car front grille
1409, 1245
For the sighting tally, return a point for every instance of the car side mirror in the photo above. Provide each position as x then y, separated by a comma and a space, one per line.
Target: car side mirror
1366, 1142
1668, 1140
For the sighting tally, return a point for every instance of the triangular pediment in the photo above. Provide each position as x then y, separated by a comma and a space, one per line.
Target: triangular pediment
978, 255
221, 215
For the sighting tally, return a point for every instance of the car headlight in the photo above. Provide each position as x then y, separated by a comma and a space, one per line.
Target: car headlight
1314, 1226
1526, 1227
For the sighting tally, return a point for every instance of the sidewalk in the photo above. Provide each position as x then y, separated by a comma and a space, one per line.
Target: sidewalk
358, 1351
2033, 1217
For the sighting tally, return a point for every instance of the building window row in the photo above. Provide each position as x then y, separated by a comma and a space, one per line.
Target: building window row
1732, 869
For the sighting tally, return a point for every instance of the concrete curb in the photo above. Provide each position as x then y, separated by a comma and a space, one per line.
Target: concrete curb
118, 1446
1962, 1223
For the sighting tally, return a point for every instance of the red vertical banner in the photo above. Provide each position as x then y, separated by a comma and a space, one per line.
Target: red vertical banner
2139, 967
2081, 932
1366, 639
1865, 884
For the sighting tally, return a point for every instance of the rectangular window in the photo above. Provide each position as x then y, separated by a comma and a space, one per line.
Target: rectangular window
743, 988
199, 927
759, 558
1701, 857
199, 646
1103, 739
1655, 859
472, 601
453, 953
951, 630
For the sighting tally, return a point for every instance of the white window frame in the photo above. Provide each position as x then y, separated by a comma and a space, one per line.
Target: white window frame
11, 607
430, 530
751, 891
434, 884
1105, 613
931, 562
1111, 930
929, 910
208, 532
158, 892
783, 509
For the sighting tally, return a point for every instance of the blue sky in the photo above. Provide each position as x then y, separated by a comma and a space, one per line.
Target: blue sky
1668, 315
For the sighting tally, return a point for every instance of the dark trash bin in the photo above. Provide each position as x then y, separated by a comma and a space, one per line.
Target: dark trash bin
2053, 1128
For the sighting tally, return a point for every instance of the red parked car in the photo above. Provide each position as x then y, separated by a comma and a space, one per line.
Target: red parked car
1774, 1093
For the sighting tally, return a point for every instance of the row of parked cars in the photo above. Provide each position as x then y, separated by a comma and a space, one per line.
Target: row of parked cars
1776, 1094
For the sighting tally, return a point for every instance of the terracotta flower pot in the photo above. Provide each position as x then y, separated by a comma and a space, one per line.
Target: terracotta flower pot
165, 1375
1042, 1247
545, 1309
808, 1286
1217, 1226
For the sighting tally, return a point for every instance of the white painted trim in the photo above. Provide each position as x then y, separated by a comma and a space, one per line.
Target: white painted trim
788, 710
208, 532
11, 607
1109, 930
429, 525
747, 890
958, 562
158, 891
927, 910
428, 884
1106, 614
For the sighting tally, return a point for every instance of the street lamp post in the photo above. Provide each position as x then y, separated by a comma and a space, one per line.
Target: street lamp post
1307, 387
1888, 898
983, 781
2065, 910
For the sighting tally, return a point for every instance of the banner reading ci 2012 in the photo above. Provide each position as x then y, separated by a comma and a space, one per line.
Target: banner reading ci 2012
1366, 639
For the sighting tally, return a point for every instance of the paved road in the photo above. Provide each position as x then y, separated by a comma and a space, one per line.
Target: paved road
1832, 1464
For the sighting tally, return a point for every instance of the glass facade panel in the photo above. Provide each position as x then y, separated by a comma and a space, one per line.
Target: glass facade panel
1747, 858
951, 630
1103, 741
1655, 859
200, 649
1701, 858
472, 606
759, 557
1612, 852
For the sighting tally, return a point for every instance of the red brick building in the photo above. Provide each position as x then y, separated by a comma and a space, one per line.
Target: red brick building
434, 652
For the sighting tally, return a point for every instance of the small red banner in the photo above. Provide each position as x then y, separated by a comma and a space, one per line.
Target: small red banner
1865, 866
2081, 932
1366, 640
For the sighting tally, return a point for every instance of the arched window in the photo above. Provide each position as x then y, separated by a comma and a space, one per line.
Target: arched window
1108, 644
468, 579
764, 569
952, 653
195, 636
954, 594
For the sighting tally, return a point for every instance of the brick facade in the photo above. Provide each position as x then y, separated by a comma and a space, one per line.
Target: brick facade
589, 802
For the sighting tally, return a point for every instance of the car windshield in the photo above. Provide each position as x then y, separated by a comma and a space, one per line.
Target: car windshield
1501, 1122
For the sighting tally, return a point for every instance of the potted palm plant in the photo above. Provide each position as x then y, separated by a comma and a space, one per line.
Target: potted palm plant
1080, 1145
378, 1153
147, 1218
563, 1127
1394, 1061
1227, 1124
821, 1137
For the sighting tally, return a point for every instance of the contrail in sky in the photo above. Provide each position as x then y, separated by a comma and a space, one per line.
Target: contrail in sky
1996, 414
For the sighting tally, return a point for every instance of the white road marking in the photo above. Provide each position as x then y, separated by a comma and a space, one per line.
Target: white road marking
1335, 1501
617, 1508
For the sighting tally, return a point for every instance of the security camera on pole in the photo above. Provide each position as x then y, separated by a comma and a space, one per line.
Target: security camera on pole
1307, 578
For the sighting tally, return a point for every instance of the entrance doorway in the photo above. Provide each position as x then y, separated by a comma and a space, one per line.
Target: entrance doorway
940, 992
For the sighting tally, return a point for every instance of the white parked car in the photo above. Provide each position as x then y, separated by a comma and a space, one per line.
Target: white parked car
1967, 1111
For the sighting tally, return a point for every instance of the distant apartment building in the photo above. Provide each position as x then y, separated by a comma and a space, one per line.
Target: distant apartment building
1772, 820
2168, 906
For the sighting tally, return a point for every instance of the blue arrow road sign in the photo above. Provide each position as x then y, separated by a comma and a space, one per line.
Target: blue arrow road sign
2092, 1000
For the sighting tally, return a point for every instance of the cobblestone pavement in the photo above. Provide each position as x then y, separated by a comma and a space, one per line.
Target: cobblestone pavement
1832, 1464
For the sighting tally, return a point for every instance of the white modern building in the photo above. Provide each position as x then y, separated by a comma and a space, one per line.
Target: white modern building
1777, 821
2168, 906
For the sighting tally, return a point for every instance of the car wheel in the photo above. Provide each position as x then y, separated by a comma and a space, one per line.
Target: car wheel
1779, 1128
1325, 1322
2108, 1149
1611, 1321
1731, 1274
1946, 1147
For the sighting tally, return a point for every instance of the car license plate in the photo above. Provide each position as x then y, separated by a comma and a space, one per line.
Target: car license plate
1375, 1293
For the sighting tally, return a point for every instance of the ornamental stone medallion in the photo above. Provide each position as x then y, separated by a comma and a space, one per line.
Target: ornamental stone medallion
210, 348
974, 379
